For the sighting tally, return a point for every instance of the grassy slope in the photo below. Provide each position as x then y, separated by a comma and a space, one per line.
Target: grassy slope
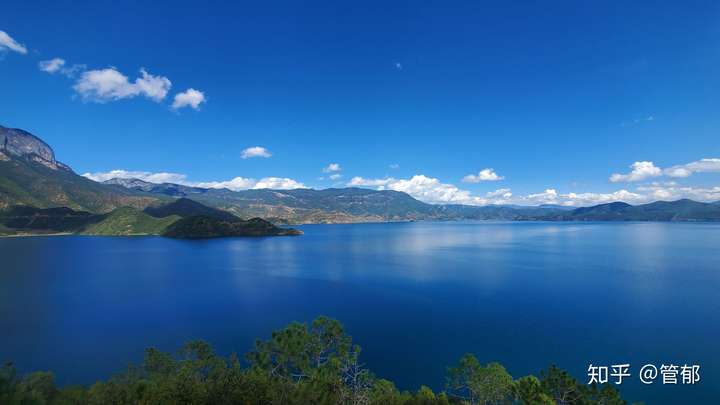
130, 221
33, 184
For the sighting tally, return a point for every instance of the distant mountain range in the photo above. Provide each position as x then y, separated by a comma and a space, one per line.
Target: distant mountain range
680, 210
30, 176
332, 205
362, 205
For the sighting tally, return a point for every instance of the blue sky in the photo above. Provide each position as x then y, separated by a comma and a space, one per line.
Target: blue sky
421, 97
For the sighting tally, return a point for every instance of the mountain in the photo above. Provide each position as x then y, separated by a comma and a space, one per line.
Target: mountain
122, 221
199, 226
21, 219
490, 212
333, 205
185, 207
127, 221
680, 210
299, 205
556, 207
340, 205
168, 189
19, 143
31, 175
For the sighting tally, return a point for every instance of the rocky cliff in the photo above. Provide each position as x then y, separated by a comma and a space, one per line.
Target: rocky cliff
22, 144
30, 175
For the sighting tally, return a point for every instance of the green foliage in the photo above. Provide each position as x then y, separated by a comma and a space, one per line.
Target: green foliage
22, 218
122, 221
126, 221
529, 391
201, 226
300, 364
25, 182
185, 207
129, 221
316, 364
471, 381
562, 388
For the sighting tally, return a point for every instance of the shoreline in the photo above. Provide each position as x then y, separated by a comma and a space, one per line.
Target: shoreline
32, 235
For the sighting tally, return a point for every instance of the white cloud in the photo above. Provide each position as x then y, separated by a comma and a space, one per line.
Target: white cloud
699, 166
668, 191
332, 167
51, 66
70, 71
431, 190
58, 65
189, 98
646, 169
484, 175
678, 171
502, 192
394, 166
150, 177
105, 84
640, 171
549, 196
335, 176
585, 199
235, 184
672, 191
109, 84
255, 151
424, 188
153, 87
278, 183
244, 183
8, 43
358, 181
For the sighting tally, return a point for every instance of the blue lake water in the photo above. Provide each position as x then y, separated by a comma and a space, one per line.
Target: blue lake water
415, 296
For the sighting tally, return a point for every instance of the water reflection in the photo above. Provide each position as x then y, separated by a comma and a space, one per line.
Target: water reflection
415, 296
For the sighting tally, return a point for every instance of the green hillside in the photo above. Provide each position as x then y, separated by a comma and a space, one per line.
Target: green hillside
127, 221
184, 207
199, 226
26, 219
24, 182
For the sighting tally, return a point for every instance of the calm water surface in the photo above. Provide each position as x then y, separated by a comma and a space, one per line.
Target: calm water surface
415, 296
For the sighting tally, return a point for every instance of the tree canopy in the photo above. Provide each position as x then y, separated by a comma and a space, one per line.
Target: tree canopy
300, 364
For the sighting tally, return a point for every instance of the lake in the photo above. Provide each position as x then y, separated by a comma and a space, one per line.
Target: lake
415, 296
